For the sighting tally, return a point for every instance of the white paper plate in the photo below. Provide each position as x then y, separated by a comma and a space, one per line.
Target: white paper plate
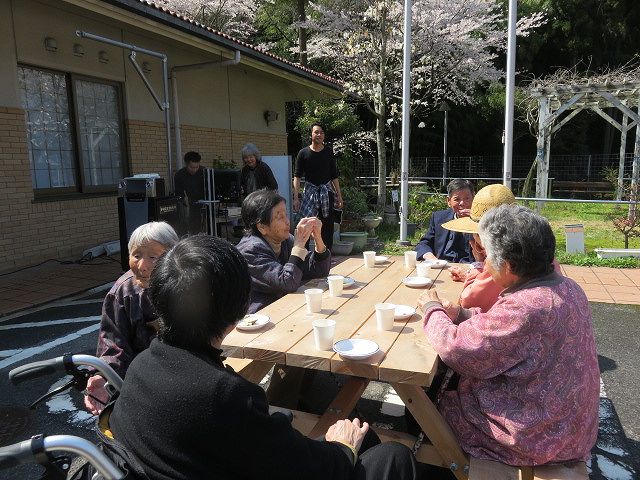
403, 311
259, 322
439, 263
417, 282
381, 259
355, 348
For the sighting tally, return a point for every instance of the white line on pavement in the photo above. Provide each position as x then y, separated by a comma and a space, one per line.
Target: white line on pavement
93, 318
8, 353
30, 352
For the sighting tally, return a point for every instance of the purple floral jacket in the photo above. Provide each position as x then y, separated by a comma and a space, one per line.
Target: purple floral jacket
128, 324
529, 379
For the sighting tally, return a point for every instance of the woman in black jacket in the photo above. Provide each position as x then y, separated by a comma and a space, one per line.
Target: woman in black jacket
255, 174
182, 415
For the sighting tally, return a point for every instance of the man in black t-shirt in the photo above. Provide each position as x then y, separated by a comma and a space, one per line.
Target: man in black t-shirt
322, 187
189, 183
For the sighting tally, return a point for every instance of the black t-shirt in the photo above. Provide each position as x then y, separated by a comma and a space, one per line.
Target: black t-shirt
316, 167
190, 185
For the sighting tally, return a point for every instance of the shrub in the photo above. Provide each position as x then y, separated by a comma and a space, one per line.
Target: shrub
422, 205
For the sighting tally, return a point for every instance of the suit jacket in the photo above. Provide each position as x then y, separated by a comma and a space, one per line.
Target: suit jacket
436, 240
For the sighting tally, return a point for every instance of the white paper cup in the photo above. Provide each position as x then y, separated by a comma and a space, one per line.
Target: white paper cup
313, 297
385, 313
336, 282
410, 258
369, 258
323, 331
423, 268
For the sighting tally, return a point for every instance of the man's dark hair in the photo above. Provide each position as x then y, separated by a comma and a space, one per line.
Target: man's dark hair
458, 184
317, 124
199, 288
191, 157
257, 208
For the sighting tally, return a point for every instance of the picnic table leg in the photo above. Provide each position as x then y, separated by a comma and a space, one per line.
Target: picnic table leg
341, 406
435, 427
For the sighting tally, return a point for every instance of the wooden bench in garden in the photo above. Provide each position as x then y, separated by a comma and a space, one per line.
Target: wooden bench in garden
562, 189
488, 470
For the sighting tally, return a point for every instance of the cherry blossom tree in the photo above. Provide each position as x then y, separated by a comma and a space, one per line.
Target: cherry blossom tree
234, 17
455, 45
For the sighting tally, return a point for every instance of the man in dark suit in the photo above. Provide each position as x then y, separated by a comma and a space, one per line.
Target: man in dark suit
439, 243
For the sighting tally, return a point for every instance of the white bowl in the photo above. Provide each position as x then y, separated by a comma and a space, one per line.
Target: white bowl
403, 312
257, 322
355, 348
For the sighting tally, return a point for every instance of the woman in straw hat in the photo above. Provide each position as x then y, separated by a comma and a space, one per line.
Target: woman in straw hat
479, 289
529, 379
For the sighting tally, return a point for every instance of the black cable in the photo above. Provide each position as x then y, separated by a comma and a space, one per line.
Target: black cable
83, 261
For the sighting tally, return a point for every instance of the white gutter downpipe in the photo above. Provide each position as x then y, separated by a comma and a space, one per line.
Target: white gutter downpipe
174, 83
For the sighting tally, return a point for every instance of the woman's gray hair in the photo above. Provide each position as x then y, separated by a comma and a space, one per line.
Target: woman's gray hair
250, 149
160, 232
520, 237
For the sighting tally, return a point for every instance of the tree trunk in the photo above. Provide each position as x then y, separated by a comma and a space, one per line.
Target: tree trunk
302, 32
382, 155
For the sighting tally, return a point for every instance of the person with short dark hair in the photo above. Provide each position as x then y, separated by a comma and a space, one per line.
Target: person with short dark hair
255, 174
317, 164
529, 385
189, 184
439, 243
182, 415
279, 261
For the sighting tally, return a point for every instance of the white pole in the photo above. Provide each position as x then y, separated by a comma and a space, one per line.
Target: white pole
511, 76
406, 94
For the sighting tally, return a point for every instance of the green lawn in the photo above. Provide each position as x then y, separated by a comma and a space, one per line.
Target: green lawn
598, 233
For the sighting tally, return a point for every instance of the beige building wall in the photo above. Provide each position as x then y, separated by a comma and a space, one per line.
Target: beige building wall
220, 109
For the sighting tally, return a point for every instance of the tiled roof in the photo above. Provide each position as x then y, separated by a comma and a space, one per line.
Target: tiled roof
148, 8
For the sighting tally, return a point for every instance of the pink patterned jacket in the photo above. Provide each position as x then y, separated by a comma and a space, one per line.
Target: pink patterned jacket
529, 379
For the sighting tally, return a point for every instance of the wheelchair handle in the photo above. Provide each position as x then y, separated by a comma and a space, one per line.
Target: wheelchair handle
30, 451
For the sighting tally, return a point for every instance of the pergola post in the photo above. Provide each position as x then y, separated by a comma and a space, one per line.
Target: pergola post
623, 154
635, 173
542, 157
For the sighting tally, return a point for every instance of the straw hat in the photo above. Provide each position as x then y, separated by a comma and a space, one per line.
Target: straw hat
487, 198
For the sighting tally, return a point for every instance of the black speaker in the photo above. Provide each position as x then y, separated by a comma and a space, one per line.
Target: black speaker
133, 212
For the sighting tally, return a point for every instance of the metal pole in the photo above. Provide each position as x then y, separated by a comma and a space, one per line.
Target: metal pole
511, 75
406, 94
165, 82
445, 149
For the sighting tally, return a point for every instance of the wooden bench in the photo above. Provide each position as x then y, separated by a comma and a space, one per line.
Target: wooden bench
489, 470
581, 189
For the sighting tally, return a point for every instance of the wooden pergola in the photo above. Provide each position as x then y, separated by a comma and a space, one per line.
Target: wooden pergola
559, 103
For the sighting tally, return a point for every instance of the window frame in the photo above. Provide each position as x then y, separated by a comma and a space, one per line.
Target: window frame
81, 188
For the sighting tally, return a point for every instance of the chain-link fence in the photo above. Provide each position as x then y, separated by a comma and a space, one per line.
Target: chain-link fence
562, 168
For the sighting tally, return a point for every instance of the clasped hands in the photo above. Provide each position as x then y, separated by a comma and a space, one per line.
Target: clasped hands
309, 227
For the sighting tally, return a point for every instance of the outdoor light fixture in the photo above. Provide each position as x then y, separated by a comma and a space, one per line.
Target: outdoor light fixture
103, 56
270, 116
78, 50
50, 44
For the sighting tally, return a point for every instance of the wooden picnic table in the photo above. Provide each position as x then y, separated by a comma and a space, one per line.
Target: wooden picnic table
406, 360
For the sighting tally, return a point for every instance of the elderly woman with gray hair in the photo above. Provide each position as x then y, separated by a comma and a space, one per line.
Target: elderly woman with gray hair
129, 321
529, 380
255, 174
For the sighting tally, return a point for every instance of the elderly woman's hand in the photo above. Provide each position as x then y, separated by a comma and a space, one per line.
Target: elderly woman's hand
451, 309
303, 231
95, 387
458, 274
346, 431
